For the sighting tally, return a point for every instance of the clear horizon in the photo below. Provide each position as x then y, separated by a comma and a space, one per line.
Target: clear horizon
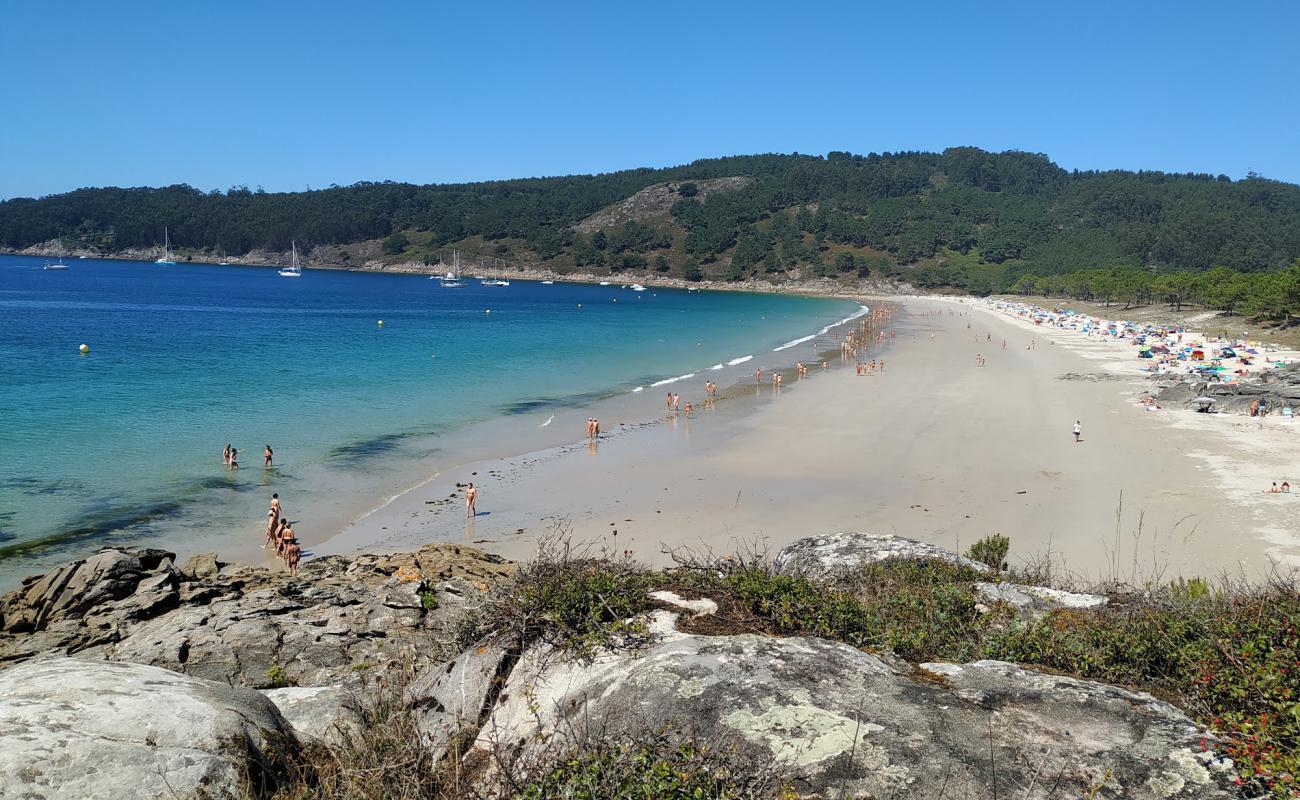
307, 95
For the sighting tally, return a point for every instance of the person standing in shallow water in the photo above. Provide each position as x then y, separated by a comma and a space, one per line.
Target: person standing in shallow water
267, 453
225, 456
471, 501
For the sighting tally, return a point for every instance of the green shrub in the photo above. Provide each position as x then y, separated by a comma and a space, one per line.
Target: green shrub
991, 550
429, 599
918, 609
277, 676
582, 604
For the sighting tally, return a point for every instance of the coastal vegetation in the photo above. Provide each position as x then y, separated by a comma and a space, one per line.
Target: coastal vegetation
1224, 653
963, 219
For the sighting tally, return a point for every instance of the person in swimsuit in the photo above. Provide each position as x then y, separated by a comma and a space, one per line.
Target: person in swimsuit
279, 536
234, 458
225, 456
292, 554
272, 522
471, 501
266, 456
286, 538
1078, 431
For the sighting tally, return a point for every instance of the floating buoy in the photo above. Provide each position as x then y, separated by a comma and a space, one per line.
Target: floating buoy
85, 348
579, 305
381, 323
488, 311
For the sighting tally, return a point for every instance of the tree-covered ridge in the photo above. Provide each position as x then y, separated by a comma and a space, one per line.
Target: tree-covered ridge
964, 217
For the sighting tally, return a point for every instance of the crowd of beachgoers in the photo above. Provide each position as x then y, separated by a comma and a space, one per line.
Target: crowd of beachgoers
1168, 350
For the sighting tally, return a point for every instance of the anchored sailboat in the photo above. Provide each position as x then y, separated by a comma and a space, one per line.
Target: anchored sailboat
294, 270
166, 259
452, 279
57, 263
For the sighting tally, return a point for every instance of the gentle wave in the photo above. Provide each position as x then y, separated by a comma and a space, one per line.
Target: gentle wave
862, 311
667, 381
733, 362
716, 366
795, 342
638, 389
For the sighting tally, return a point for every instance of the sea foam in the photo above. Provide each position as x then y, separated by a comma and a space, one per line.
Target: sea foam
667, 381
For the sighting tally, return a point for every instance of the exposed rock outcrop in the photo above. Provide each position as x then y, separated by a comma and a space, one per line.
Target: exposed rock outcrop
87, 730
836, 553
840, 722
1279, 387
323, 713
238, 624
1036, 600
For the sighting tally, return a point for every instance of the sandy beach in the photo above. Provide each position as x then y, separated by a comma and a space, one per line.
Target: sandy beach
935, 448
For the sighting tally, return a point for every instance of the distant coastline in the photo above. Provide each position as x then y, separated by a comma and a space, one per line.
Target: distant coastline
818, 287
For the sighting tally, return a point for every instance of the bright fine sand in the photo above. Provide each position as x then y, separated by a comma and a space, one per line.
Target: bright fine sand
935, 448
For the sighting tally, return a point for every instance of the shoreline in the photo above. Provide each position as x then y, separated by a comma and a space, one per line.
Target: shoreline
925, 462
369, 485
628, 418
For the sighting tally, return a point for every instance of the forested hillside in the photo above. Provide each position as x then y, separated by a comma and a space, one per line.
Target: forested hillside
963, 218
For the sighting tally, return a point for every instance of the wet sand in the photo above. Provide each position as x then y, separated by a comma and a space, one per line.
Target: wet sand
935, 448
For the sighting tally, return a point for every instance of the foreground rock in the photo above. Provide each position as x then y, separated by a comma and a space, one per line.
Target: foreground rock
84, 729
839, 722
836, 553
247, 625
1036, 600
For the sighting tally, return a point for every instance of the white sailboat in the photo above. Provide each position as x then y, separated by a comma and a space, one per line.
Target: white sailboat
57, 264
452, 279
294, 270
166, 259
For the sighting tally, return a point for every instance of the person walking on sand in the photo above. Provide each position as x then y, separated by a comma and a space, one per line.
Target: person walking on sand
287, 538
279, 536
595, 428
758, 375
266, 456
471, 501
1078, 431
292, 554
272, 523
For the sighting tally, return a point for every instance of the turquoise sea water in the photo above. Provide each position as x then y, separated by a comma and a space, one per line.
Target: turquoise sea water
124, 444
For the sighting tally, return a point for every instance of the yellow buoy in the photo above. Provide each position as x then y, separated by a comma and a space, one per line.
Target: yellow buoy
85, 348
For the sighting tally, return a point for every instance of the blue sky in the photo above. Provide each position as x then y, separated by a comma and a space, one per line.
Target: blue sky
289, 95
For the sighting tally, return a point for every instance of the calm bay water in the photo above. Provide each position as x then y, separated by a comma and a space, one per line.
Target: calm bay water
124, 444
